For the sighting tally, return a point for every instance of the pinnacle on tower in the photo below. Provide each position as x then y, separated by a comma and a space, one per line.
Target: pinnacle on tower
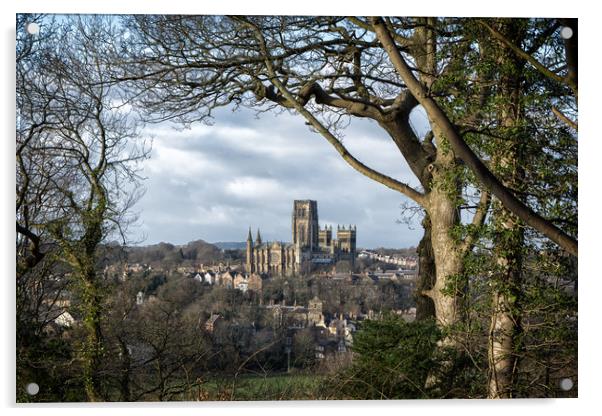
258, 239
249, 238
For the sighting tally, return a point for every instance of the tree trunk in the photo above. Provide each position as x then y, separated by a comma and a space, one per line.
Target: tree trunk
448, 288
441, 205
125, 371
505, 315
425, 307
507, 159
93, 346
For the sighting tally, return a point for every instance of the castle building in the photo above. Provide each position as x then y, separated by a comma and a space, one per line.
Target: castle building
311, 245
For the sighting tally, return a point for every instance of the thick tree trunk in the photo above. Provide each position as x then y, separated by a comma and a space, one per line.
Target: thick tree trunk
425, 307
447, 291
441, 205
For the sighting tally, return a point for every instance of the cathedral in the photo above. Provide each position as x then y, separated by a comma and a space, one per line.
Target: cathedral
311, 245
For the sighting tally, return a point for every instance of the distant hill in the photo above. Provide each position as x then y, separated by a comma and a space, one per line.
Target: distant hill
410, 251
198, 251
231, 245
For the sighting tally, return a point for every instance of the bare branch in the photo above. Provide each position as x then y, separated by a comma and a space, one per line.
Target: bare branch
562, 117
336, 143
464, 152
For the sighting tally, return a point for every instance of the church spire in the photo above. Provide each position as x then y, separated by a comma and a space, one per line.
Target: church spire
249, 238
258, 239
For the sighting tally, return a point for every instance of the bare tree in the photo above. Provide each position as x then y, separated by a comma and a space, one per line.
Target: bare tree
76, 164
161, 348
41, 286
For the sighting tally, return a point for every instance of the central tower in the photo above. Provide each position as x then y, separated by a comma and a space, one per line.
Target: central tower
305, 224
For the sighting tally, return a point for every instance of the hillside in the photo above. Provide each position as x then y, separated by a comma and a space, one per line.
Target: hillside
231, 245
198, 251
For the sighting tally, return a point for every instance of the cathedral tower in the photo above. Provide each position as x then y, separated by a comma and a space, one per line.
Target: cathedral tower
346, 238
305, 225
326, 242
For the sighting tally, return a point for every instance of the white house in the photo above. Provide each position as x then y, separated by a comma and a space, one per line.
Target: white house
64, 319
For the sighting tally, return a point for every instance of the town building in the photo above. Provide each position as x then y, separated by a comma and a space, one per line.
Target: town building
314, 313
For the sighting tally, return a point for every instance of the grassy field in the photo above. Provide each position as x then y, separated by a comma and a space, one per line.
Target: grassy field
270, 387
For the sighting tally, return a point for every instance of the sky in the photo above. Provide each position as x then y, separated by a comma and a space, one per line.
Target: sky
214, 182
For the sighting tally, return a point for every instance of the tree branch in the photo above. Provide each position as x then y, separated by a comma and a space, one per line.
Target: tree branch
336, 143
463, 151
356, 108
564, 118
568, 81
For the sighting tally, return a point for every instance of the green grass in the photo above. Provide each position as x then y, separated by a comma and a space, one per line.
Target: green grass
271, 387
